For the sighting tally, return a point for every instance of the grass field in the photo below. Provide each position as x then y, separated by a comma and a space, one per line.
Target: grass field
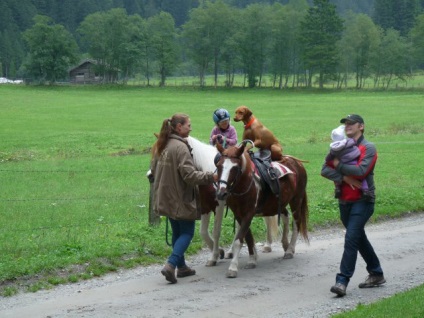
74, 197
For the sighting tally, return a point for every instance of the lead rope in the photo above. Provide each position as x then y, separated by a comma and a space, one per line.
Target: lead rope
234, 220
167, 231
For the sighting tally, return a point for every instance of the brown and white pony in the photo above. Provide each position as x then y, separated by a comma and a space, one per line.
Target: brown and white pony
242, 191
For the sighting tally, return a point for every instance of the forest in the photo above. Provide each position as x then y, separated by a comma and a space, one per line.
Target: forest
295, 42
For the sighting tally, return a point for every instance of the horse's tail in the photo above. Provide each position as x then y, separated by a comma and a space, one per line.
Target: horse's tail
272, 226
295, 158
304, 216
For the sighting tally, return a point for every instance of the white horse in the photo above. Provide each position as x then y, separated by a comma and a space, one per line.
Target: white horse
203, 157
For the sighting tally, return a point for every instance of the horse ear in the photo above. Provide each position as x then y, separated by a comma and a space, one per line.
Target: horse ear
219, 147
217, 158
240, 149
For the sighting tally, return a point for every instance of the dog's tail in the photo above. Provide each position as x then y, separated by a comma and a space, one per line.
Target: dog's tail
297, 159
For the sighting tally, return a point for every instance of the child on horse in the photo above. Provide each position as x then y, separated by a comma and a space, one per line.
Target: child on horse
223, 132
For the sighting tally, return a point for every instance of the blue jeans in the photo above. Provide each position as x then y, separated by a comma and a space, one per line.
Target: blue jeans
354, 216
182, 234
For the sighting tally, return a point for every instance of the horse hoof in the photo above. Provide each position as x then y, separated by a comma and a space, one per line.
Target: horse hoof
288, 256
231, 274
210, 263
250, 266
221, 253
267, 249
229, 255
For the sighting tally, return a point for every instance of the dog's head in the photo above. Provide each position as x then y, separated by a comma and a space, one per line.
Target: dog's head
242, 114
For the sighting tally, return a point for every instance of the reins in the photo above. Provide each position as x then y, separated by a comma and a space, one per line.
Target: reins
235, 181
243, 193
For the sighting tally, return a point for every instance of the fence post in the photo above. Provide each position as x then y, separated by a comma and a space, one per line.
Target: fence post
153, 218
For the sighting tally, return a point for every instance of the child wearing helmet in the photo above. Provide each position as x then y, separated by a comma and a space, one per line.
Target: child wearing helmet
223, 132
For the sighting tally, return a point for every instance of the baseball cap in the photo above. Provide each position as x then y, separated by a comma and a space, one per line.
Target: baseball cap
353, 118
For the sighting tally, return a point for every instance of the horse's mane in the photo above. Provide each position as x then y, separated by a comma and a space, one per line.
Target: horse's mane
203, 154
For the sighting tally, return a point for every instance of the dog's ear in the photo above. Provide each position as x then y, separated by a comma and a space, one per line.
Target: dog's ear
247, 112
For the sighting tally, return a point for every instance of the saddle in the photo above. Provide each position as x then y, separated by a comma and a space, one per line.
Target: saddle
268, 174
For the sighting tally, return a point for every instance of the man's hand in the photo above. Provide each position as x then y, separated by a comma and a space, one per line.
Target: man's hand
336, 162
354, 183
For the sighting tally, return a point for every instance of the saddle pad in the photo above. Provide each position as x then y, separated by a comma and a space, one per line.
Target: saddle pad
281, 170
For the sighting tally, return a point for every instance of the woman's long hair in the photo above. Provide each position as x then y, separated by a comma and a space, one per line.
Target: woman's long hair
168, 127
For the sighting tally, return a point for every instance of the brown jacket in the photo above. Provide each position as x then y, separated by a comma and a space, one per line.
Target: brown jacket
175, 180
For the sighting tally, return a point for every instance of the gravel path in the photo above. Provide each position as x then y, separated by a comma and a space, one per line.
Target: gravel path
299, 287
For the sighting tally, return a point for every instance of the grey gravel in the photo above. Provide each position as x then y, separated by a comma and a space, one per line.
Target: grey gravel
299, 287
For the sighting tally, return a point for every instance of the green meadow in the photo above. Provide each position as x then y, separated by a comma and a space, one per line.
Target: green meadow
74, 196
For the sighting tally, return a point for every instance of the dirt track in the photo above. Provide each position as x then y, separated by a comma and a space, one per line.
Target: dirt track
276, 288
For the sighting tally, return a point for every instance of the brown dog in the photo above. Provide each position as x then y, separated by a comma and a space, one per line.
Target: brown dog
261, 136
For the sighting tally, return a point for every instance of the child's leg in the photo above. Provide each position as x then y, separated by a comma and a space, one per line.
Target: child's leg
366, 193
337, 190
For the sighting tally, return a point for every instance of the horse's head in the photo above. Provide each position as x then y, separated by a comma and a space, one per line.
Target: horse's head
230, 166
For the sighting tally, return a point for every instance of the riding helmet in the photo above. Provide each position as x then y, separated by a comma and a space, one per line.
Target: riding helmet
220, 114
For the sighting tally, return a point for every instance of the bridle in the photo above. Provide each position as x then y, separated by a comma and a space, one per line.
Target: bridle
230, 186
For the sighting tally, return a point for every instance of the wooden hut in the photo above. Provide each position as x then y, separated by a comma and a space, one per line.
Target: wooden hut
84, 73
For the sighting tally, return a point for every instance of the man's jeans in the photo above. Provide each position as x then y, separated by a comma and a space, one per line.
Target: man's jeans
182, 234
354, 216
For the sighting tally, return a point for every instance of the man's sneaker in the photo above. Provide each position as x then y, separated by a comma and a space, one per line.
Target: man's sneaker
373, 281
339, 289
185, 271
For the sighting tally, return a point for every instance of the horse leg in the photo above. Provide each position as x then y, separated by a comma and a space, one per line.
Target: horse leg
230, 253
299, 208
285, 236
216, 250
236, 247
204, 230
271, 223
253, 255
292, 246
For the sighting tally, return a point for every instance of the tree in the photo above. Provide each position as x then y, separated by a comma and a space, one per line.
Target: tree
52, 49
164, 44
417, 41
132, 51
285, 48
360, 40
209, 30
114, 40
321, 30
397, 14
392, 59
253, 39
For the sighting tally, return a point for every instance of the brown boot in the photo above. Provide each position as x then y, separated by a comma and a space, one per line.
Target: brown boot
169, 272
185, 271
